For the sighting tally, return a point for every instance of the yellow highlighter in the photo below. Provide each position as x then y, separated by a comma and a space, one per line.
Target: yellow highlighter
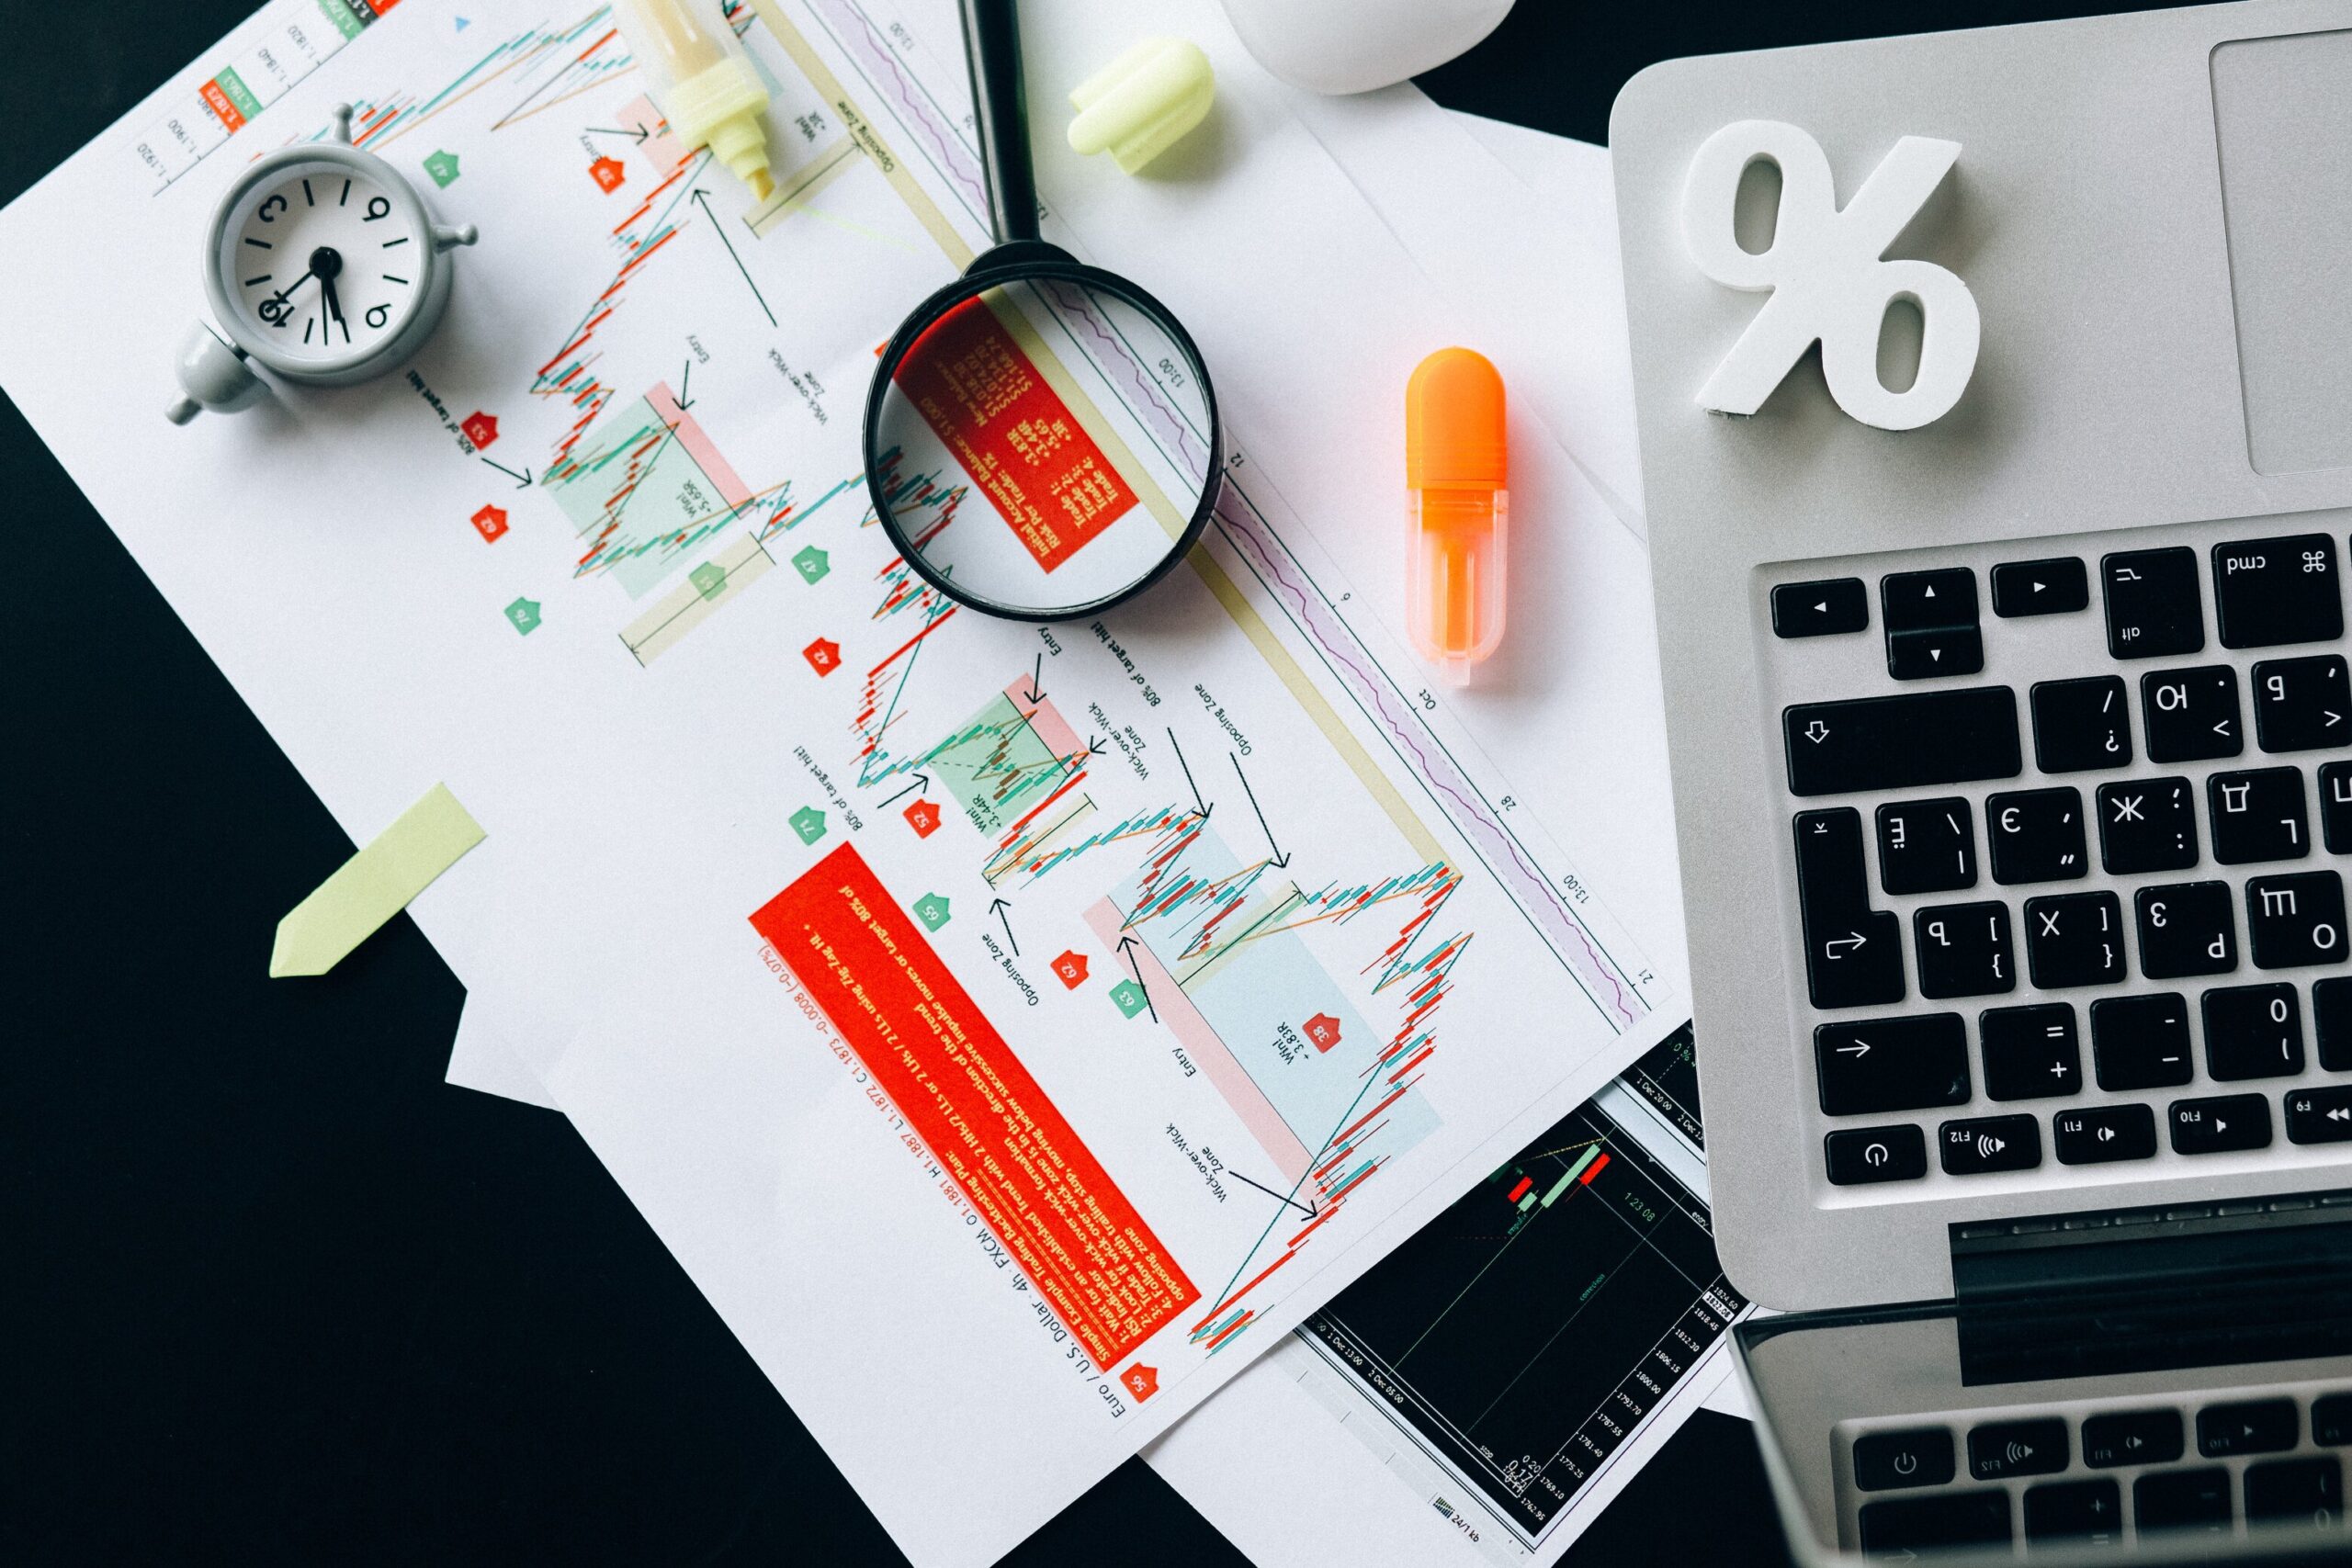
1457, 470
699, 77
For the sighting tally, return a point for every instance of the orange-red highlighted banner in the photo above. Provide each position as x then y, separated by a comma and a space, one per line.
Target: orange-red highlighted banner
1020, 1164
1014, 433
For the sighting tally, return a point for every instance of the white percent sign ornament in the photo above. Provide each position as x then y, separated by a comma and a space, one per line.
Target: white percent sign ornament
1826, 272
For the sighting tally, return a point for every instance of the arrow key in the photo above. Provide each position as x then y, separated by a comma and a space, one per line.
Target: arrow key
2057, 587
2303, 705
1820, 609
1941, 650
1859, 1156
2320, 1115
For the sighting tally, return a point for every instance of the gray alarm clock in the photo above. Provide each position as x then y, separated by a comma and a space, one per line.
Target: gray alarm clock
323, 264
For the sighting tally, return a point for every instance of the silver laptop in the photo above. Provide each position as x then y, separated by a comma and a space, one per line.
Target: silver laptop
2013, 765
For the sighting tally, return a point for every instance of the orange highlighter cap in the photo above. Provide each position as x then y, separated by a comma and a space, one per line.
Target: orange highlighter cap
1457, 466
1454, 424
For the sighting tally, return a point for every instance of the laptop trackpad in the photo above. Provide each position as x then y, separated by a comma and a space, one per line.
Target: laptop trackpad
2286, 145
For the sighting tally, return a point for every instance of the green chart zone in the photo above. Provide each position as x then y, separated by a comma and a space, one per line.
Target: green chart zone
1521, 1338
1217, 948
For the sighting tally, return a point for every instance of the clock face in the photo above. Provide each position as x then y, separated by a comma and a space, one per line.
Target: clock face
322, 262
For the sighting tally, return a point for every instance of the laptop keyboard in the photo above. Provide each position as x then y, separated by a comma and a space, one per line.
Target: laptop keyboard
2061, 836
2048, 1480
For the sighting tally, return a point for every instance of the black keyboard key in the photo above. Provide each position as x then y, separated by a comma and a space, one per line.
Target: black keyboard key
2296, 919
2148, 824
2183, 1500
2249, 1427
1853, 954
2036, 835
1999, 1450
2336, 807
1978, 1145
2191, 715
2252, 1032
1902, 742
2258, 816
1894, 1063
1918, 1457
2079, 725
2319, 1115
1907, 1527
2230, 1124
2131, 1437
1821, 609
2154, 606
2087, 1511
1927, 846
2142, 1042
2031, 1053
2074, 939
1940, 650
2187, 928
2295, 1491
2303, 705
1965, 950
2054, 587
2099, 1134
1860, 1157
2269, 591
2331, 1420
2332, 1021
1921, 601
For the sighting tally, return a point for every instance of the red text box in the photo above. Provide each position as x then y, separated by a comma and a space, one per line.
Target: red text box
1017, 1160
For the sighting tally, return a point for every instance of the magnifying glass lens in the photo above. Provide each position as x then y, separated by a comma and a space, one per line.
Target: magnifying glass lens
1041, 443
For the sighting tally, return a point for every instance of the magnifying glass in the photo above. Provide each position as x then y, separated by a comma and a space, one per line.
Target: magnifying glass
1041, 438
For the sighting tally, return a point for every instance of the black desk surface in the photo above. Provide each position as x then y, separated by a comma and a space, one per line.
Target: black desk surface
270, 1290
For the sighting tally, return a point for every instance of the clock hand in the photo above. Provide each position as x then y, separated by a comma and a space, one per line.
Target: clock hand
280, 299
335, 306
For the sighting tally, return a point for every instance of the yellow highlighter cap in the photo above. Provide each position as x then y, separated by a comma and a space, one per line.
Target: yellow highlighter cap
1454, 424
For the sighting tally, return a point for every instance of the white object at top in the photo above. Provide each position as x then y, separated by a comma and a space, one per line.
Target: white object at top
1826, 272
697, 75
1354, 46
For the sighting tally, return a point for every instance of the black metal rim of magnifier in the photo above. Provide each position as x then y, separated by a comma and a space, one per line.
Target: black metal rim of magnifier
1034, 261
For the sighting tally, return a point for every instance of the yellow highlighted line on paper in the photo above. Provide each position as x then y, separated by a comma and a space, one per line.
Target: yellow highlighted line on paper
374, 884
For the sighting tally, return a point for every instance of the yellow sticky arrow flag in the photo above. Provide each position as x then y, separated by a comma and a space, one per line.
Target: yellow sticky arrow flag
374, 884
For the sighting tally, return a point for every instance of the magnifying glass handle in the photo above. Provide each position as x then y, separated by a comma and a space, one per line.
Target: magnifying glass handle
992, 53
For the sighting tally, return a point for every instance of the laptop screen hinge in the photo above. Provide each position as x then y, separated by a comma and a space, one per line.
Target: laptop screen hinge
2100, 1291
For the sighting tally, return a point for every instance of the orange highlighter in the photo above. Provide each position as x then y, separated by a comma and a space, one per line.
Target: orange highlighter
1457, 469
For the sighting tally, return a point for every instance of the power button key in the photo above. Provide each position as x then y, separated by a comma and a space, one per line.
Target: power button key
1861, 1154
1920, 1457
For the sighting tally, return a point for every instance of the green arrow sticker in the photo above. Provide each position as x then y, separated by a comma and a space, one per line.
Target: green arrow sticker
709, 579
443, 167
931, 910
812, 564
1128, 998
809, 823
525, 614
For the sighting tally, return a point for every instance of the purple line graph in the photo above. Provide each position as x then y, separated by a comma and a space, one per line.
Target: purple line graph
1241, 522
914, 107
